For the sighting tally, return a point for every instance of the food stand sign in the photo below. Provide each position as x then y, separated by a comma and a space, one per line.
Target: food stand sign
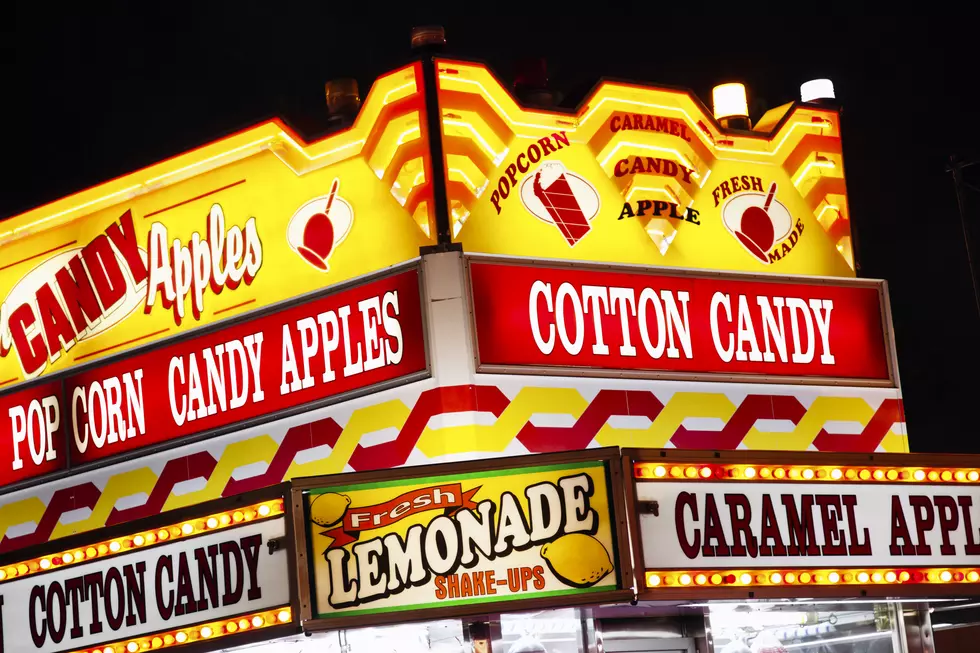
596, 321
457, 539
203, 579
759, 525
347, 341
214, 233
643, 175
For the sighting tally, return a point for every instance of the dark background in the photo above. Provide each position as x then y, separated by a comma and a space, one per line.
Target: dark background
91, 92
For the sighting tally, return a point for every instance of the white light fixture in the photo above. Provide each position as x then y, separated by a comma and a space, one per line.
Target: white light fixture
729, 101
817, 89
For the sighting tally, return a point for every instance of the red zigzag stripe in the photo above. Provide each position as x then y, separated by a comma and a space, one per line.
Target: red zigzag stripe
440, 401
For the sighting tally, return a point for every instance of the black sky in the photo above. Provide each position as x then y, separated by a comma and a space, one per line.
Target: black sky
91, 92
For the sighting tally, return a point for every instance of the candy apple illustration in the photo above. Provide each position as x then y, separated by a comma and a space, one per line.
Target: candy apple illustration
757, 221
319, 226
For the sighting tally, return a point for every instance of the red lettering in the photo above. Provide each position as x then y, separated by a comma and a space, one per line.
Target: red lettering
76, 290
830, 513
740, 513
925, 520
57, 329
123, 236
802, 535
538, 572
856, 548
687, 500
32, 353
949, 521
713, 531
770, 531
106, 275
900, 531
966, 504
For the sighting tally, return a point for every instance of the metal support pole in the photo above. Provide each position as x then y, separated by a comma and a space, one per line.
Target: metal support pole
956, 169
437, 163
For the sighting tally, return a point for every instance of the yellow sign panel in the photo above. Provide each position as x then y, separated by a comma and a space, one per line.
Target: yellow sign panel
461, 539
249, 221
645, 176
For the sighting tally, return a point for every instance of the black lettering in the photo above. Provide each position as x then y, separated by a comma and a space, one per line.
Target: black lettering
802, 535
94, 592
687, 500
135, 593
114, 588
185, 589
234, 580
251, 545
207, 576
39, 626
164, 608
56, 612
74, 596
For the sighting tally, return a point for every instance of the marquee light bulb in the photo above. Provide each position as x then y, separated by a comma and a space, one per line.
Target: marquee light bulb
817, 89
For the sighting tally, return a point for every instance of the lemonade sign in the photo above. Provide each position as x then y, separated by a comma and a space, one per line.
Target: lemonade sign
451, 540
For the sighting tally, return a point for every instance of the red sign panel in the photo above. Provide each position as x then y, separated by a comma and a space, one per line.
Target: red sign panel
342, 342
32, 432
539, 317
335, 344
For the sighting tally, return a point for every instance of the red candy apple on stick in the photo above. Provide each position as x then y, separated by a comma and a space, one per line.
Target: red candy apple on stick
756, 229
318, 234
319, 226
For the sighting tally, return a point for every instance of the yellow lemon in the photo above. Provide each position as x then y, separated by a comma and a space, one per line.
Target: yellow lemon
577, 559
328, 509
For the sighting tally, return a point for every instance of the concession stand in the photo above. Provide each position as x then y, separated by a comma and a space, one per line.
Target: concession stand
438, 381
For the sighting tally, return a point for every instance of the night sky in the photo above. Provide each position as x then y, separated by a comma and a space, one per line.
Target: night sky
88, 93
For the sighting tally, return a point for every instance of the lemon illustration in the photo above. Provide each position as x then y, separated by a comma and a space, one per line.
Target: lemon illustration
328, 509
577, 559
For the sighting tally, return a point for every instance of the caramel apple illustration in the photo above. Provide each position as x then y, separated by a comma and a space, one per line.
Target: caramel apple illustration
318, 235
756, 229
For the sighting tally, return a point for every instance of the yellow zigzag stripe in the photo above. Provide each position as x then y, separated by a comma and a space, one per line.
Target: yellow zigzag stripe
823, 409
681, 406
118, 486
238, 454
390, 414
895, 442
30, 509
496, 437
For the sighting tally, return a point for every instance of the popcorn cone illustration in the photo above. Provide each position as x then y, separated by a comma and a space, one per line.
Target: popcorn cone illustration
552, 188
318, 226
756, 230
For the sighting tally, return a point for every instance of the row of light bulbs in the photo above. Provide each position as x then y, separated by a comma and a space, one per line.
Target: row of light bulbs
146, 538
675, 579
654, 471
210, 630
